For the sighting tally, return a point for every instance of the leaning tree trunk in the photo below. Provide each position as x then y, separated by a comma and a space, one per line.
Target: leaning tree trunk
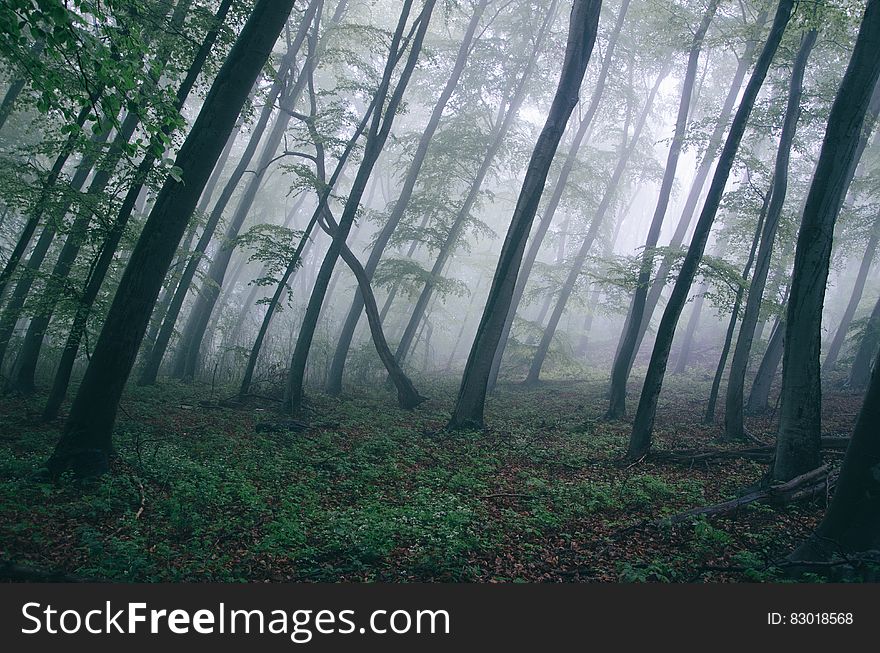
733, 406
709, 416
376, 137
337, 366
690, 206
854, 299
12, 311
546, 220
798, 444
111, 242
759, 396
861, 369
583, 24
580, 258
852, 523
627, 350
640, 439
86, 441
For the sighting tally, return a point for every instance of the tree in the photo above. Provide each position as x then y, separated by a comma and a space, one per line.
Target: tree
86, 440
640, 438
334, 381
376, 136
627, 350
583, 24
552, 205
798, 444
733, 406
852, 523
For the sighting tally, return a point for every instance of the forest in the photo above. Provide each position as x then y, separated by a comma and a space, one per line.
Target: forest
440, 290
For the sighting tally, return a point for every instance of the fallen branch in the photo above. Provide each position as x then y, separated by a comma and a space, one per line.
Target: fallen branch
805, 486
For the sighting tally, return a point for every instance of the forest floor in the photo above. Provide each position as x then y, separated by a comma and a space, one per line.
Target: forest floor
371, 492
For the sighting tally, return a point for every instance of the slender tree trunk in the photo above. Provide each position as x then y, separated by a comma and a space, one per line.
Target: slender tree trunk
709, 416
759, 397
861, 369
17, 86
153, 359
684, 354
86, 441
627, 350
449, 245
582, 28
856, 296
640, 439
581, 257
733, 408
337, 366
111, 242
798, 444
46, 190
697, 185
376, 137
12, 311
555, 197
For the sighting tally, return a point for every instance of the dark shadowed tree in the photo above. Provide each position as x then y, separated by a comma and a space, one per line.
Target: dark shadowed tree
583, 23
798, 444
86, 441
640, 438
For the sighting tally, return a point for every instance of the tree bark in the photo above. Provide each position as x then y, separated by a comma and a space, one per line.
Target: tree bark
627, 350
582, 28
86, 441
640, 439
800, 418
733, 406
852, 523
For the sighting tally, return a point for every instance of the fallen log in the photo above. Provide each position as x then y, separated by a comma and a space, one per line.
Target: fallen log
814, 483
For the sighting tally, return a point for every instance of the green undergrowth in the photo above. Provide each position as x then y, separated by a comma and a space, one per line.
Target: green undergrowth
372, 492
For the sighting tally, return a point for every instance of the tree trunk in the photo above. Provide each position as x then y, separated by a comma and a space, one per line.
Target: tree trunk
627, 350
86, 441
861, 369
582, 28
798, 441
640, 439
854, 299
337, 366
852, 523
546, 220
376, 137
709, 416
684, 354
733, 407
759, 397
578, 263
